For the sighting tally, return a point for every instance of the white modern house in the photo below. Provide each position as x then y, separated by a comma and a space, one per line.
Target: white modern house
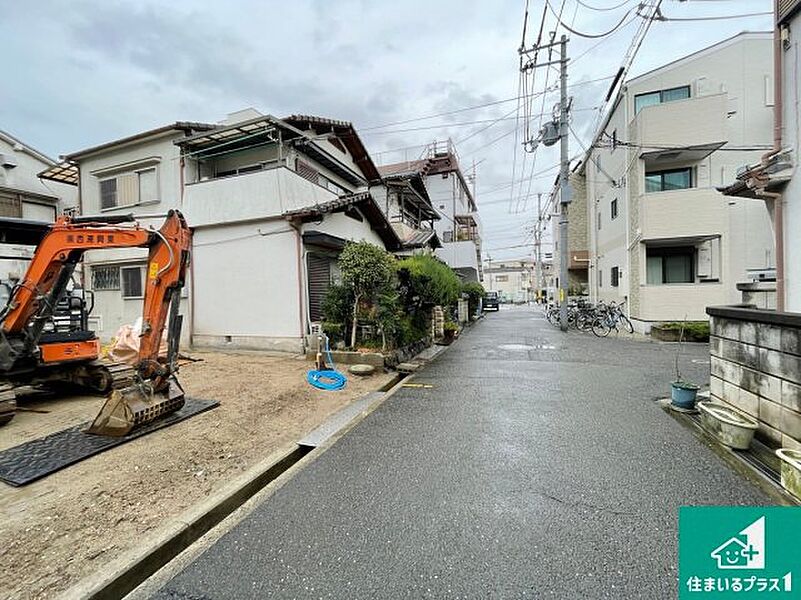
24, 195
458, 226
271, 202
661, 238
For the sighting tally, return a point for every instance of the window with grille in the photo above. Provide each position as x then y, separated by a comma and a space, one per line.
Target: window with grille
615, 277
108, 193
105, 278
132, 284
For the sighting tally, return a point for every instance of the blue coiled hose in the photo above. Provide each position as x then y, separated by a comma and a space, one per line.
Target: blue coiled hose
327, 379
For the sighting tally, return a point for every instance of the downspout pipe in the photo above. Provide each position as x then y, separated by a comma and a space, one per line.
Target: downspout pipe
301, 302
778, 123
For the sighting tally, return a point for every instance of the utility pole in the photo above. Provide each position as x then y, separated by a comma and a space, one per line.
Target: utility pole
549, 137
538, 254
564, 187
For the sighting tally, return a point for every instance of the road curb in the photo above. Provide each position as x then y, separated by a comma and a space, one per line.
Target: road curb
127, 572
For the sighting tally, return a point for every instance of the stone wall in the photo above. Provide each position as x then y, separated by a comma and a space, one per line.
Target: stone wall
756, 368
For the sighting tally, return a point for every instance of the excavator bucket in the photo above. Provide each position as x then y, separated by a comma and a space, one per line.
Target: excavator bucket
136, 405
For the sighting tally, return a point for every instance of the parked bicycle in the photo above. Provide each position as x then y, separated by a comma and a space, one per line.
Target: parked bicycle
600, 318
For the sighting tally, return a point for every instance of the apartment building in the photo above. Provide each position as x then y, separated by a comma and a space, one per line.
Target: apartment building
514, 280
271, 201
458, 227
661, 238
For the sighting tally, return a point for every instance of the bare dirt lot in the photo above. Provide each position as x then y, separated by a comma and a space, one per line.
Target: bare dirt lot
66, 526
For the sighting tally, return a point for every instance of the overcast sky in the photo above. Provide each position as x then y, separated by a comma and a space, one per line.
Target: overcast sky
79, 73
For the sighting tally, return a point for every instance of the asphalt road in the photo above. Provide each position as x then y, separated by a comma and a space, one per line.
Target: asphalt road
538, 465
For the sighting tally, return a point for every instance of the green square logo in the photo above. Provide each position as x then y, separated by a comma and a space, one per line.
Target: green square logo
739, 552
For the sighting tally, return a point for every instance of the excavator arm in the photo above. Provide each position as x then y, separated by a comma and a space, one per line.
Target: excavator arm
33, 301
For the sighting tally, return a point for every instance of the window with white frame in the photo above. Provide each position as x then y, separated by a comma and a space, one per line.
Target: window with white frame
132, 278
126, 189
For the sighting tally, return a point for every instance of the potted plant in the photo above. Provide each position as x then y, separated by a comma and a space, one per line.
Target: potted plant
682, 393
450, 330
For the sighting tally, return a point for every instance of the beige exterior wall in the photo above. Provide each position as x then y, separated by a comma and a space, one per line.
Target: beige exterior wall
577, 232
729, 102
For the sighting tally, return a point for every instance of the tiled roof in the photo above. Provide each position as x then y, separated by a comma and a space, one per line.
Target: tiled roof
368, 206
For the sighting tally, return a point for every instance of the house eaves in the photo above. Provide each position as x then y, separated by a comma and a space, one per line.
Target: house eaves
345, 132
186, 126
364, 201
14, 142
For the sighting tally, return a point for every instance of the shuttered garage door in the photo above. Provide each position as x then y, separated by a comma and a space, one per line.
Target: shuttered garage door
319, 273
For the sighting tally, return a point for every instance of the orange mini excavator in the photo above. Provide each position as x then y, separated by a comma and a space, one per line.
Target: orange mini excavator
31, 356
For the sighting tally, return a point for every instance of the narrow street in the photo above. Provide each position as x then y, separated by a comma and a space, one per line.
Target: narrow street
538, 465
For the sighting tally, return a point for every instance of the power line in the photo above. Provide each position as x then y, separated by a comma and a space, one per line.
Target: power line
711, 18
604, 8
463, 123
441, 114
587, 35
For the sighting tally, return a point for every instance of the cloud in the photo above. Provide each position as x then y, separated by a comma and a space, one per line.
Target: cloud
102, 70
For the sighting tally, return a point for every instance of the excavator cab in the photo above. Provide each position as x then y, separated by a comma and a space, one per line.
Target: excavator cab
44, 335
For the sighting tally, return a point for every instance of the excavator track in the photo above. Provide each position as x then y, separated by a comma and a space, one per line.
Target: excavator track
8, 403
102, 376
97, 377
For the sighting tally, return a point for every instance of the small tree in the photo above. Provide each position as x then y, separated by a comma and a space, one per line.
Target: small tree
369, 271
427, 281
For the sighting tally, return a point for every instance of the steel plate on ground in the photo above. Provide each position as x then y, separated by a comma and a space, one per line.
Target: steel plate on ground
33, 460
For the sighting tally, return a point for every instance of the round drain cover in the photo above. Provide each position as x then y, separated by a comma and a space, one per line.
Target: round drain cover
361, 370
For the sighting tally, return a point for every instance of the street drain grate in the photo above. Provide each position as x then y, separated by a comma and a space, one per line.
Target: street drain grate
33, 460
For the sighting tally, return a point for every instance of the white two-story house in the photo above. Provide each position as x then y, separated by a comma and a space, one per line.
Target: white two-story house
271, 203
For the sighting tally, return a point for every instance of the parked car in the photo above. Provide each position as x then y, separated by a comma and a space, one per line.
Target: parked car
492, 301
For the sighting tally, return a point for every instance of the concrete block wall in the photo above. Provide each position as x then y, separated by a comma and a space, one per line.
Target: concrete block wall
756, 368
